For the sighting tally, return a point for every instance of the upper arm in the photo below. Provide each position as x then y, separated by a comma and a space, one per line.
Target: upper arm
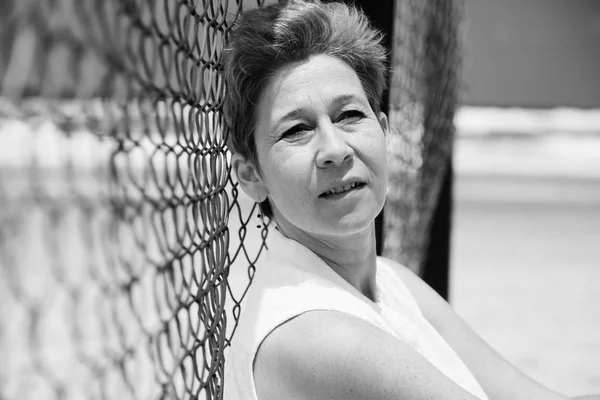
327, 354
499, 379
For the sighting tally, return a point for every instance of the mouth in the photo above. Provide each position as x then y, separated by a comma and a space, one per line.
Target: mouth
342, 189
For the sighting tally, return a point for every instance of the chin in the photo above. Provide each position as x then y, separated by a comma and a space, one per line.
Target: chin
349, 224
332, 223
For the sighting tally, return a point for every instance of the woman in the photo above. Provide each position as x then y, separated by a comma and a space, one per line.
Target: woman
325, 317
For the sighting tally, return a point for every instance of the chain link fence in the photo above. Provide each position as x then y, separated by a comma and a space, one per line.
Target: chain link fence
423, 99
125, 246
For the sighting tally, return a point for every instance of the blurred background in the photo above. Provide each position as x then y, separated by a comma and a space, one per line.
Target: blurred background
525, 252
119, 223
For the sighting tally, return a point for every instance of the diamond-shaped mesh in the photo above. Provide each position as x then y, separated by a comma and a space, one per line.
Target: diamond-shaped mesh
125, 246
423, 98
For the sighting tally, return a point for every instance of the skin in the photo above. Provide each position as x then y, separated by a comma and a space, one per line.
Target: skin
334, 136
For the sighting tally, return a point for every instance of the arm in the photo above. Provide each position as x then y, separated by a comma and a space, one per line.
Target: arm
500, 379
327, 354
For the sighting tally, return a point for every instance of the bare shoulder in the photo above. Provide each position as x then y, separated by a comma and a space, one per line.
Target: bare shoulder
328, 354
432, 305
405, 273
410, 279
499, 378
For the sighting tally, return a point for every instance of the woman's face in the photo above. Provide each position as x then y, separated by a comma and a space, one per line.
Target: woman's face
321, 149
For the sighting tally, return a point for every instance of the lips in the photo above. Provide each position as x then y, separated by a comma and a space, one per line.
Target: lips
341, 188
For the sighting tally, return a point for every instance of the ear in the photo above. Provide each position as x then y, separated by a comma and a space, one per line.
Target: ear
383, 122
249, 178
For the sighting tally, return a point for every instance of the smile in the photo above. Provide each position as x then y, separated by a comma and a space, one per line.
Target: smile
342, 189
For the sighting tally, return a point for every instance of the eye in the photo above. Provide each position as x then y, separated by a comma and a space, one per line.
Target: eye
295, 131
351, 116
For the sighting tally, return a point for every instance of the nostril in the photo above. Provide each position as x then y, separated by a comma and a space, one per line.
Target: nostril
334, 155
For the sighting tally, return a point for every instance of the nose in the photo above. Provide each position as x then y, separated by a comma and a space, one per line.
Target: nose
334, 149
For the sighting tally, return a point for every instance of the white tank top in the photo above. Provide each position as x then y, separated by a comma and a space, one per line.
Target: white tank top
291, 280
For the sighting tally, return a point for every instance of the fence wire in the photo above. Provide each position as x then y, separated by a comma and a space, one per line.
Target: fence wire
424, 92
126, 247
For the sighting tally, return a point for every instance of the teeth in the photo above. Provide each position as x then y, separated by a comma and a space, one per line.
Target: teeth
341, 188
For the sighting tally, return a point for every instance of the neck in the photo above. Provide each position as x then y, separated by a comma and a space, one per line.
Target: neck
352, 257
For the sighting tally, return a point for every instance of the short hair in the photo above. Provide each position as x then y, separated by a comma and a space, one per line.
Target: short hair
266, 39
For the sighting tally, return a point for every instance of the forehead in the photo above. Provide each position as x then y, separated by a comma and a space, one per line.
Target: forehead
319, 81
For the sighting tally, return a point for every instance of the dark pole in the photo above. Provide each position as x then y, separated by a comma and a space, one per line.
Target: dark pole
443, 59
436, 270
381, 15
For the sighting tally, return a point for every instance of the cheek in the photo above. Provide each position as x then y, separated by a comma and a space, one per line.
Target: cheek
376, 150
289, 175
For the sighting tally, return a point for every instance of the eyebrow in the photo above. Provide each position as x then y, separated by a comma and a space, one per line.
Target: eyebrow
337, 100
346, 98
